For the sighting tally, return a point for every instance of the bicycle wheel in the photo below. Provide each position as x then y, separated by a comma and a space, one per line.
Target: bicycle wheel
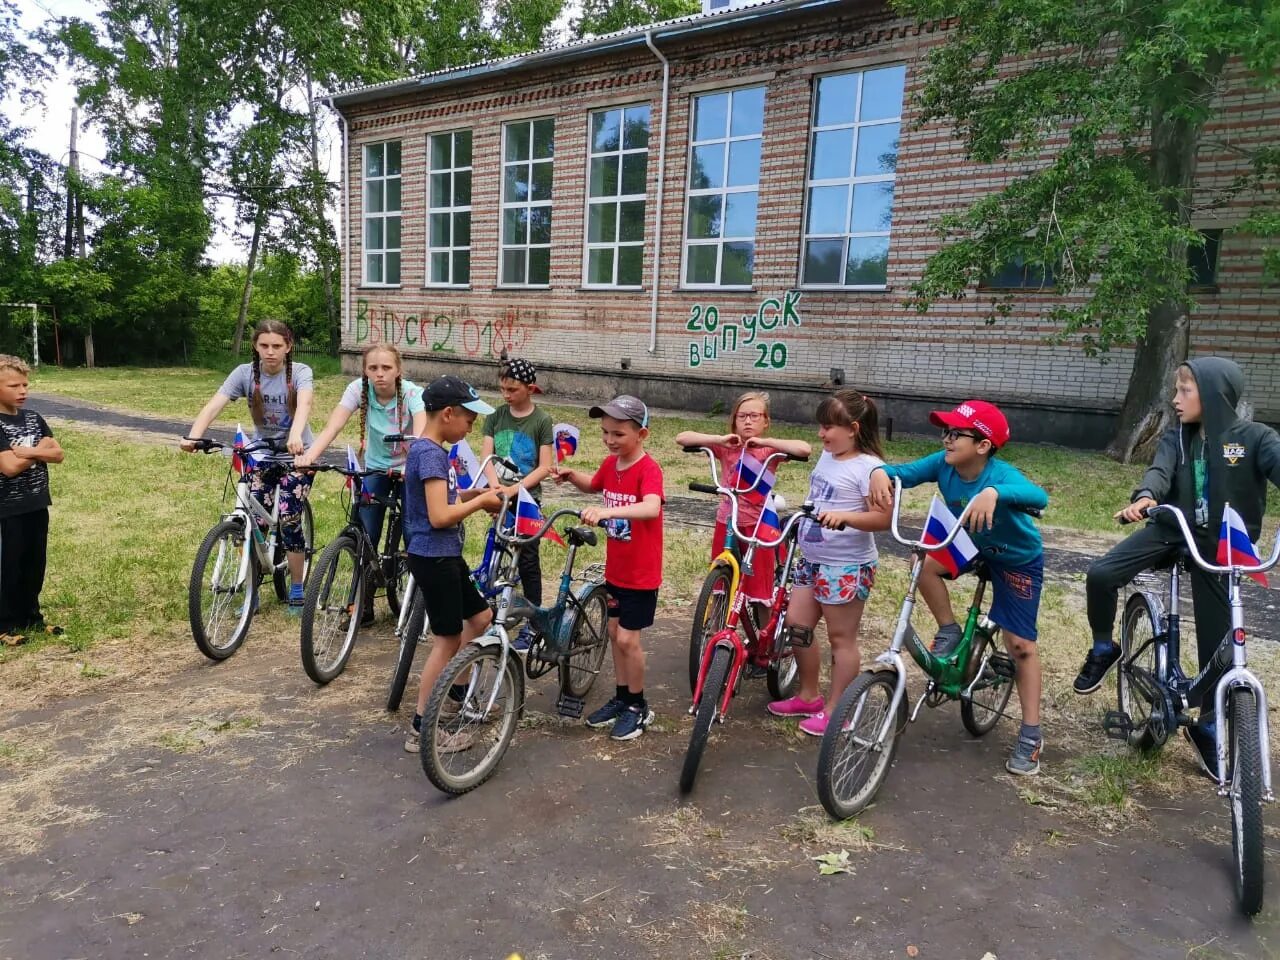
851, 766
462, 748
280, 565
331, 610
1245, 773
588, 641
220, 602
1136, 672
992, 691
395, 569
708, 710
415, 628
783, 672
709, 616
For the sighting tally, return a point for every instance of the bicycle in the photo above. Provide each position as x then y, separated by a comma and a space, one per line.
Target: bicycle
235, 553
861, 738
1154, 694
572, 634
724, 656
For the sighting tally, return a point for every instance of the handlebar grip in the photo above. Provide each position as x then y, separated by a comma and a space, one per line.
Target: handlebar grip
1146, 515
396, 438
703, 488
792, 459
509, 465
694, 449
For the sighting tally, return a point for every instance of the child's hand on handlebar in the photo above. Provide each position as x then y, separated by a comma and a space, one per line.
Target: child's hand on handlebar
304, 460
187, 446
880, 492
490, 500
592, 516
835, 519
1133, 512
982, 510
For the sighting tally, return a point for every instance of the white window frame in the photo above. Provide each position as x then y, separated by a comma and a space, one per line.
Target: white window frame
384, 215
850, 182
524, 249
616, 200
722, 191
451, 210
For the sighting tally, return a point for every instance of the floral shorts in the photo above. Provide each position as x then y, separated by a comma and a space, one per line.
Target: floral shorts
836, 583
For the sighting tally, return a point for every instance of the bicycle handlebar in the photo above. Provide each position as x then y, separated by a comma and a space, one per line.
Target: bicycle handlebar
210, 444
806, 510
1189, 541
920, 544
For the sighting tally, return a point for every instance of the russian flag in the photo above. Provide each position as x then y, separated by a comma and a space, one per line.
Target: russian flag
749, 469
937, 525
1234, 545
237, 450
353, 463
566, 435
466, 466
769, 528
529, 518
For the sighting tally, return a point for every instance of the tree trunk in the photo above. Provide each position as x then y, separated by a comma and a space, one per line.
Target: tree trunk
238, 340
325, 251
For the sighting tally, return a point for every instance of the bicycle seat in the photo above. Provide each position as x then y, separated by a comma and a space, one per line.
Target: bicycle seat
582, 536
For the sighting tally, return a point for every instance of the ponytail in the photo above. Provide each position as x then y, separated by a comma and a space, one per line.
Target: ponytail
850, 409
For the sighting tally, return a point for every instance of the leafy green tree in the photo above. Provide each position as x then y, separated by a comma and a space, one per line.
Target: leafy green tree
1130, 85
608, 16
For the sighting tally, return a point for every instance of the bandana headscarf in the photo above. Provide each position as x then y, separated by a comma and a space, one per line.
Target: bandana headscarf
522, 370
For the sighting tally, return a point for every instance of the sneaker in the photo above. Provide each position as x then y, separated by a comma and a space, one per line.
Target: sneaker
795, 707
1204, 743
947, 640
1095, 669
295, 601
631, 722
1025, 759
816, 725
524, 639
606, 715
454, 742
412, 742
13, 639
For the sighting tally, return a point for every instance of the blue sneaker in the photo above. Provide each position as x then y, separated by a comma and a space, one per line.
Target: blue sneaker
524, 639
631, 722
606, 715
294, 609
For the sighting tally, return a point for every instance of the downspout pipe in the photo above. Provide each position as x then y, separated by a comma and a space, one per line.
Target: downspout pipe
662, 181
345, 234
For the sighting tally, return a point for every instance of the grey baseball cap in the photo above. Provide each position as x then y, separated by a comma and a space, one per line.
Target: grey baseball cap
624, 407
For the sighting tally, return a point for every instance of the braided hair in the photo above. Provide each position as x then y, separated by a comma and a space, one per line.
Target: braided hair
256, 406
366, 389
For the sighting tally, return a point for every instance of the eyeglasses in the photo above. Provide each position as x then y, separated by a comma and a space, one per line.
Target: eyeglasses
751, 416
952, 435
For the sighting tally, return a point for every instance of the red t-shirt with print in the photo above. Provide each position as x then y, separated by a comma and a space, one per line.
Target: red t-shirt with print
636, 563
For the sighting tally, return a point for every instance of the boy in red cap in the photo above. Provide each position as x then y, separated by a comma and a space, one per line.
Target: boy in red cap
966, 469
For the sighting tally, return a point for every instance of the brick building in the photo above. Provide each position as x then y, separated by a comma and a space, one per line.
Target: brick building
736, 197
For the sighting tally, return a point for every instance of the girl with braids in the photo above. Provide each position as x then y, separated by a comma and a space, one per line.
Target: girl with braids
279, 392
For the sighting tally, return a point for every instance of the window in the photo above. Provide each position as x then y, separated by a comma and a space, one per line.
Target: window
382, 213
449, 209
527, 148
1016, 275
724, 184
1203, 260
617, 176
853, 158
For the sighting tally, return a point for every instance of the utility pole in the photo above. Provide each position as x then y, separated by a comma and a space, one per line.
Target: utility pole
75, 216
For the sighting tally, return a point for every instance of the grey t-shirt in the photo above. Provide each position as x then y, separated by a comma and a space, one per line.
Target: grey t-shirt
275, 396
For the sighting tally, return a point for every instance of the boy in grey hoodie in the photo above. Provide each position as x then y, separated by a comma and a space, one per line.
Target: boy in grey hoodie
1211, 457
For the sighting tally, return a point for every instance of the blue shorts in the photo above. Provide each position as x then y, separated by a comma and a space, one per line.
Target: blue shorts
1015, 597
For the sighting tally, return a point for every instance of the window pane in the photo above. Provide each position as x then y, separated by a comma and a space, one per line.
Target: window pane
882, 93
868, 260
462, 267
877, 149
543, 140
513, 266
539, 225
604, 177
440, 189
837, 99
704, 217
541, 182
462, 148
393, 233
393, 169
872, 207
744, 163
832, 154
822, 261
373, 197
602, 223
600, 266
635, 129
540, 266
702, 264
441, 151
828, 209
748, 112
462, 189
373, 233
634, 167
711, 116
438, 230
462, 229
373, 268
631, 221
515, 226
439, 268
373, 160
738, 261
708, 167
392, 268
517, 142
630, 265
605, 130
393, 195
740, 215
515, 184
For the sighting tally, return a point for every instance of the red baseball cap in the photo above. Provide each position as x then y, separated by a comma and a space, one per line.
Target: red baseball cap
978, 415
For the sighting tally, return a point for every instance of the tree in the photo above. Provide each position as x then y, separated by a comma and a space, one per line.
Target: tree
1131, 86
609, 16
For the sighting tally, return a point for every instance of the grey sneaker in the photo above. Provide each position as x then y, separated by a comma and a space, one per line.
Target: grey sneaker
947, 639
1025, 759
412, 742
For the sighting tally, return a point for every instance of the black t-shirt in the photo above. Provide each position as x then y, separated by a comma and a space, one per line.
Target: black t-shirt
29, 490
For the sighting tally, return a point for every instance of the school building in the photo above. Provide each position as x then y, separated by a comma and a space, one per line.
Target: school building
738, 197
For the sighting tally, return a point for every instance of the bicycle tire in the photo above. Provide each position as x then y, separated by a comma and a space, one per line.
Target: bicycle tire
225, 545
589, 633
981, 716
395, 566
477, 666
1137, 626
280, 568
710, 613
708, 707
1245, 773
843, 788
414, 630
783, 674
331, 610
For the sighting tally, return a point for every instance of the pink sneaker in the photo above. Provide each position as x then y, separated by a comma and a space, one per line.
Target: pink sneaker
795, 707
814, 726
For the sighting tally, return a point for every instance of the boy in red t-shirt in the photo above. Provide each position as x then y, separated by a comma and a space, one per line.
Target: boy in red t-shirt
631, 482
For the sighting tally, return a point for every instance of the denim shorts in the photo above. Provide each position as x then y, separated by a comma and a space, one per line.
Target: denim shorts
836, 583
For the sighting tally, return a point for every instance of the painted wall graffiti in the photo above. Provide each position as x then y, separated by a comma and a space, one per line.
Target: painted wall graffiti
722, 337
452, 331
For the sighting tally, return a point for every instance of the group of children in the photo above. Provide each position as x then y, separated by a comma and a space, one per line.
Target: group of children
850, 485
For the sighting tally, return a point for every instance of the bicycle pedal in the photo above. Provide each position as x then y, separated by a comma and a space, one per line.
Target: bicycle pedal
1002, 664
570, 706
1117, 725
755, 673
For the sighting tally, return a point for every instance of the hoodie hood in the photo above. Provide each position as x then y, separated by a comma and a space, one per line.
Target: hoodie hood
1221, 384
